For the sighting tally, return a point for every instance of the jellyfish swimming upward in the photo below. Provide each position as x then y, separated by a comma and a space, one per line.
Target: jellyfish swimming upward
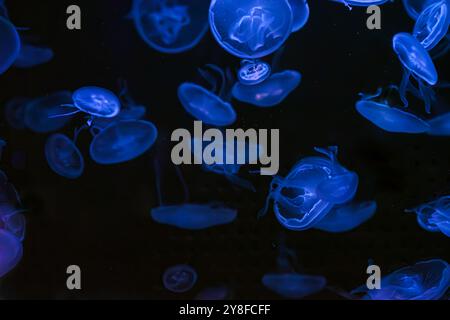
434, 216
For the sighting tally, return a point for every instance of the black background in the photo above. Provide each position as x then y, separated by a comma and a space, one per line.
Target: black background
101, 221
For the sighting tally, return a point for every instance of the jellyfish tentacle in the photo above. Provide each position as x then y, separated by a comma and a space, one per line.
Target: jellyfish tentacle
274, 185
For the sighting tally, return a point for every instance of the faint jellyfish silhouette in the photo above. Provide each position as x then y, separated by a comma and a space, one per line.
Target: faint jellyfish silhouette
415, 7
253, 29
9, 197
253, 72
180, 278
11, 251
123, 141
425, 280
15, 224
434, 216
64, 157
432, 24
213, 294
2, 146
294, 285
171, 26
10, 44
32, 56
440, 125
300, 13
361, 3
270, 92
15, 112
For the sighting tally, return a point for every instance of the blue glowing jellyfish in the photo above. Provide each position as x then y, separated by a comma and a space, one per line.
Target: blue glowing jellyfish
180, 278
426, 280
38, 114
253, 72
171, 26
213, 294
415, 7
31, 56
434, 216
123, 141
440, 125
3, 9
10, 44
63, 156
361, 3
15, 224
347, 217
293, 285
9, 197
300, 13
432, 24
250, 29
15, 112
270, 92
11, 251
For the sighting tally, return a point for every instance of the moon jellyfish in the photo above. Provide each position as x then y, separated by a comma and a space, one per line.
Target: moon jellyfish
426, 280
415, 7
440, 125
270, 92
123, 141
180, 278
11, 251
432, 24
250, 29
294, 285
31, 56
63, 156
347, 217
253, 72
171, 26
15, 112
10, 44
300, 13
434, 216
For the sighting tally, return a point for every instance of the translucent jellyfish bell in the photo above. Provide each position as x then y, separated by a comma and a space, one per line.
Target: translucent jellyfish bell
415, 7
434, 216
171, 26
250, 29
15, 224
15, 112
96, 102
432, 24
300, 13
440, 125
31, 56
10, 44
180, 278
270, 92
293, 285
11, 251
253, 72
63, 156
123, 141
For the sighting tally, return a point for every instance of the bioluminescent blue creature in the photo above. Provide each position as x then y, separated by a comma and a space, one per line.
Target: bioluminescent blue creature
347, 217
171, 26
15, 112
434, 216
180, 278
361, 3
426, 280
15, 224
300, 13
253, 72
213, 294
31, 56
296, 202
39, 113
11, 251
432, 24
415, 7
123, 141
270, 92
9, 197
250, 29
293, 285
416, 62
440, 125
63, 156
9, 43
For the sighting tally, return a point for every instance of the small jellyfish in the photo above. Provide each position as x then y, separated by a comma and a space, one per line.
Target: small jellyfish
9, 43
426, 280
294, 285
251, 30
11, 251
180, 278
31, 56
347, 217
123, 141
432, 24
253, 72
415, 7
300, 13
440, 125
434, 216
270, 92
171, 26
15, 112
63, 156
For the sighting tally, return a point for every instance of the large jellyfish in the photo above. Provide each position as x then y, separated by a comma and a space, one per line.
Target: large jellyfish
11, 251
250, 29
294, 285
123, 141
300, 13
426, 280
434, 216
63, 156
270, 92
15, 112
171, 26
432, 24
10, 44
180, 278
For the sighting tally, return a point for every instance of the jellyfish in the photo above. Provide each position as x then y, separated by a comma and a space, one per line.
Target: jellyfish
294, 285
347, 217
416, 62
213, 294
415, 7
253, 72
180, 278
361, 3
11, 251
425, 280
15, 224
432, 24
10, 44
440, 125
300, 13
64, 157
434, 216
170, 26
15, 112
31, 56
253, 29
270, 92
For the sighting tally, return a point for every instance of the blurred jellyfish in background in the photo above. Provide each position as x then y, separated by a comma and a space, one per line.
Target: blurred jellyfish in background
9, 43
426, 280
180, 278
250, 29
214, 294
415, 7
300, 13
171, 26
63, 156
11, 251
440, 125
15, 112
32, 55
434, 216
